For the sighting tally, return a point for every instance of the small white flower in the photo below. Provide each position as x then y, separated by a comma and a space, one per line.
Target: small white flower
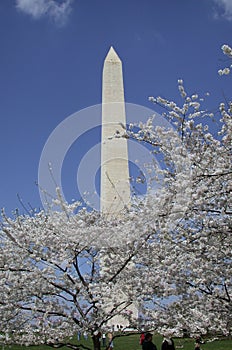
227, 50
224, 71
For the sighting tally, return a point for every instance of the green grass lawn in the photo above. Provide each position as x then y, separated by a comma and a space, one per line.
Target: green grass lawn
132, 343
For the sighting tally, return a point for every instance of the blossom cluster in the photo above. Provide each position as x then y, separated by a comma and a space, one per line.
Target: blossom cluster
227, 50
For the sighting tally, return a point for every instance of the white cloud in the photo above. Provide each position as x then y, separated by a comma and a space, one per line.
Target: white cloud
225, 7
56, 10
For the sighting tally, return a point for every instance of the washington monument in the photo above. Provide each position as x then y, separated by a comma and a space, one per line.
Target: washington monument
115, 185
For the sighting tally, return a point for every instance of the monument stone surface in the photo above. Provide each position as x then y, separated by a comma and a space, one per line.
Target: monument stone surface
115, 185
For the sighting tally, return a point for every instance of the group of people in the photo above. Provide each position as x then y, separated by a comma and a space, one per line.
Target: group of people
99, 338
145, 341
167, 343
147, 344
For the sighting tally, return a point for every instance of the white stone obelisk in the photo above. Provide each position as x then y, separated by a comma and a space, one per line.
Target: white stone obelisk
115, 185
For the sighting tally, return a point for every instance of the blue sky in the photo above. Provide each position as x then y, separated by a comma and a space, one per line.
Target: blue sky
51, 62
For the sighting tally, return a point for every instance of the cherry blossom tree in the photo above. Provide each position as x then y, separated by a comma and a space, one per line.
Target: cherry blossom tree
51, 284
194, 264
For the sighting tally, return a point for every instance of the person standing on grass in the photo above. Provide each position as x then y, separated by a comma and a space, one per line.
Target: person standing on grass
147, 344
168, 343
103, 339
110, 337
198, 343
85, 334
79, 335
141, 339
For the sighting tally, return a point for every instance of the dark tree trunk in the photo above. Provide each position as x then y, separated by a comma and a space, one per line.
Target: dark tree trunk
96, 342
